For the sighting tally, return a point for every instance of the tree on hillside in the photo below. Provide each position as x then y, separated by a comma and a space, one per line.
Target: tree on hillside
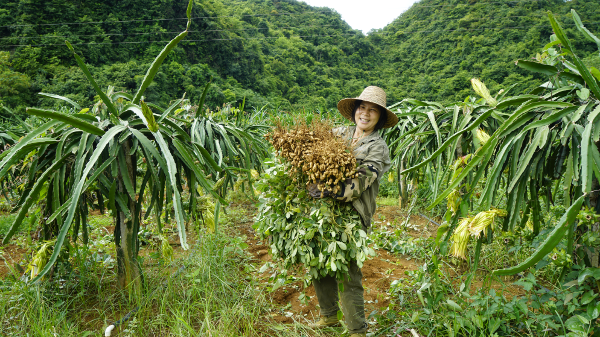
434, 48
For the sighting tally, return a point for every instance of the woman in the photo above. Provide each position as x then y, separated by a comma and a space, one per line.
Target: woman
370, 114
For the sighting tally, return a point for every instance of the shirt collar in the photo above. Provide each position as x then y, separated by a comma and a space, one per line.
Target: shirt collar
371, 137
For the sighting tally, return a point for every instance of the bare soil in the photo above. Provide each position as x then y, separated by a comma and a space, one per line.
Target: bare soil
12, 255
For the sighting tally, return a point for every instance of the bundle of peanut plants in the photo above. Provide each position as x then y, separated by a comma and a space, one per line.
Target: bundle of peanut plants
319, 234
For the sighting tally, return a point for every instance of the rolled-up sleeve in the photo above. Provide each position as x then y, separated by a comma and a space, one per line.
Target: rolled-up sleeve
370, 169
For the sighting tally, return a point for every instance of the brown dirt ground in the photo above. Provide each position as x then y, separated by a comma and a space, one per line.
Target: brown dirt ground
12, 254
419, 227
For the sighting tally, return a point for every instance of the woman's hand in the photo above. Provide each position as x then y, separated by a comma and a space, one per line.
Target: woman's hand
315, 192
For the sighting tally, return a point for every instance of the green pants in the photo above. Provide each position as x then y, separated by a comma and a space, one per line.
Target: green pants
353, 303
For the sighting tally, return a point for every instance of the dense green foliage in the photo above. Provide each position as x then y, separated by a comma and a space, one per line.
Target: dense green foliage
119, 142
280, 53
321, 235
539, 162
537, 144
250, 48
433, 49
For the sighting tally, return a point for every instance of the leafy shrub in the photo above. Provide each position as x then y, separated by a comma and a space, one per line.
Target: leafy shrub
433, 303
388, 186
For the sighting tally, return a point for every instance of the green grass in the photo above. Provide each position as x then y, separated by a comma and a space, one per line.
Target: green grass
214, 294
387, 201
207, 296
6, 221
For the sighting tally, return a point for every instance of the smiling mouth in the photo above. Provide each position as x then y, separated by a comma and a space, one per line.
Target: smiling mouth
364, 120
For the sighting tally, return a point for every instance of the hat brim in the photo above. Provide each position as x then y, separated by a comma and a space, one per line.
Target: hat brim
346, 107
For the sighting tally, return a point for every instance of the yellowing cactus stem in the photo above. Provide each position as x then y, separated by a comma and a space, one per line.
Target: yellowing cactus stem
483, 91
472, 227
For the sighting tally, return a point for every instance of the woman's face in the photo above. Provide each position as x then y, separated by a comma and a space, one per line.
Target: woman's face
366, 117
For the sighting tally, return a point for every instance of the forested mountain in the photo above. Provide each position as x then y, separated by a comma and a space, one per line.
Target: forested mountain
433, 49
284, 54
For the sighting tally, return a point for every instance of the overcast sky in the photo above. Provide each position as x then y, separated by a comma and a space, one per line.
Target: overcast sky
366, 15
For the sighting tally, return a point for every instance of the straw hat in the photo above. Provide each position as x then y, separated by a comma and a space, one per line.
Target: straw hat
371, 94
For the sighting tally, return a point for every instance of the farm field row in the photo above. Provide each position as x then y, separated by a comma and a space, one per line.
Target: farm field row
225, 286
